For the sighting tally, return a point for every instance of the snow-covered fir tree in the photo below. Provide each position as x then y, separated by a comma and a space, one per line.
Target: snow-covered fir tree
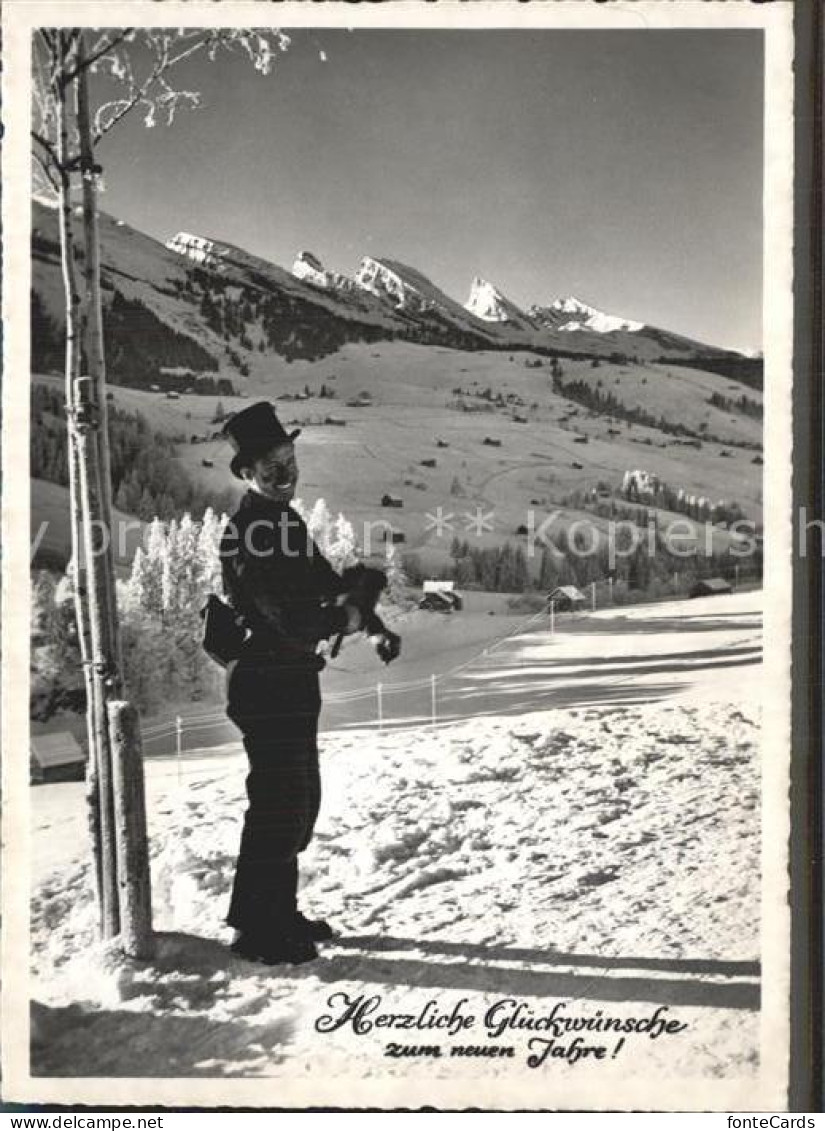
173, 574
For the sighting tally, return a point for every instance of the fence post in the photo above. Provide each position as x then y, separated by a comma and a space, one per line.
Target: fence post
432, 698
178, 743
552, 618
610, 589
135, 891
380, 708
593, 595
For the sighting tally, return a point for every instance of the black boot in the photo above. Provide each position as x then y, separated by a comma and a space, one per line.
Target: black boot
315, 930
272, 950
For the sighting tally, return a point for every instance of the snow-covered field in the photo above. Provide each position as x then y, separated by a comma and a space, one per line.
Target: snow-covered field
599, 859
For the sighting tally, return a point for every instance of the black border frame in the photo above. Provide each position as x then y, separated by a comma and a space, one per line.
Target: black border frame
806, 1082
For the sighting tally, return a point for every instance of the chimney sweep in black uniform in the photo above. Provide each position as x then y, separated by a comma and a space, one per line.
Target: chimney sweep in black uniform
285, 598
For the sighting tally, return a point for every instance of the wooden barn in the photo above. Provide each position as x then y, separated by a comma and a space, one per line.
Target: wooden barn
56, 757
441, 597
363, 400
710, 587
566, 599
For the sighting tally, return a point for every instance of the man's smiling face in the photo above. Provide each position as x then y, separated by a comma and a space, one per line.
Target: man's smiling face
274, 475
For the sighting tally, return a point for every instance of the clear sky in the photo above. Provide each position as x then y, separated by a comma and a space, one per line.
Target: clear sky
624, 167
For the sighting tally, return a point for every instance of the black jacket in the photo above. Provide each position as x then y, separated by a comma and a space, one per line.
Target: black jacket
276, 578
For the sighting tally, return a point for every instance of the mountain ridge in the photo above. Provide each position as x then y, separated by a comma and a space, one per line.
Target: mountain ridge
235, 305
403, 287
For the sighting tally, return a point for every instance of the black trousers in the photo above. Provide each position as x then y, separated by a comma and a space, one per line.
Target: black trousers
276, 706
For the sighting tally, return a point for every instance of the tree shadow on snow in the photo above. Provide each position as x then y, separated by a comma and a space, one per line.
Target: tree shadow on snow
653, 661
74, 1040
627, 624
176, 1034
497, 701
688, 662
732, 968
467, 966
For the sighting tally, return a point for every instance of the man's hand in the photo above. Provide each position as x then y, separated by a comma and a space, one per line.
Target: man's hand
387, 645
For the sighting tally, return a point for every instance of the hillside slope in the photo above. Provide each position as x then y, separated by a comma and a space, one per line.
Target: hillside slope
550, 453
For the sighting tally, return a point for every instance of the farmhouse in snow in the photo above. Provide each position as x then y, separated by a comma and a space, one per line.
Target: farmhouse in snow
56, 757
441, 597
710, 587
566, 599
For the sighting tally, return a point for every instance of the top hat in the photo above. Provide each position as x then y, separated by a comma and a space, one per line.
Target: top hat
253, 432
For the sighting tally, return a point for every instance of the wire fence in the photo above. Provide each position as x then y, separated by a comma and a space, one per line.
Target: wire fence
422, 699
186, 732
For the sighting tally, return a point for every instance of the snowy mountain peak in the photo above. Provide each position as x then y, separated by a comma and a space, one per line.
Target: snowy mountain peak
573, 305
310, 269
489, 304
412, 295
572, 314
197, 248
384, 279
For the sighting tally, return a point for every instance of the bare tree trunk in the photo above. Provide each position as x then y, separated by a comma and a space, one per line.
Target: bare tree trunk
101, 820
127, 790
93, 342
136, 935
95, 538
77, 576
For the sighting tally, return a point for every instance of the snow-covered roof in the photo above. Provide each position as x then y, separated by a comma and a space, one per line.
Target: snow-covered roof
441, 600
60, 749
568, 591
715, 583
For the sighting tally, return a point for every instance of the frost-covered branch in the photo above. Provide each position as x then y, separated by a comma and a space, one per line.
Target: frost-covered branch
153, 92
138, 64
102, 47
